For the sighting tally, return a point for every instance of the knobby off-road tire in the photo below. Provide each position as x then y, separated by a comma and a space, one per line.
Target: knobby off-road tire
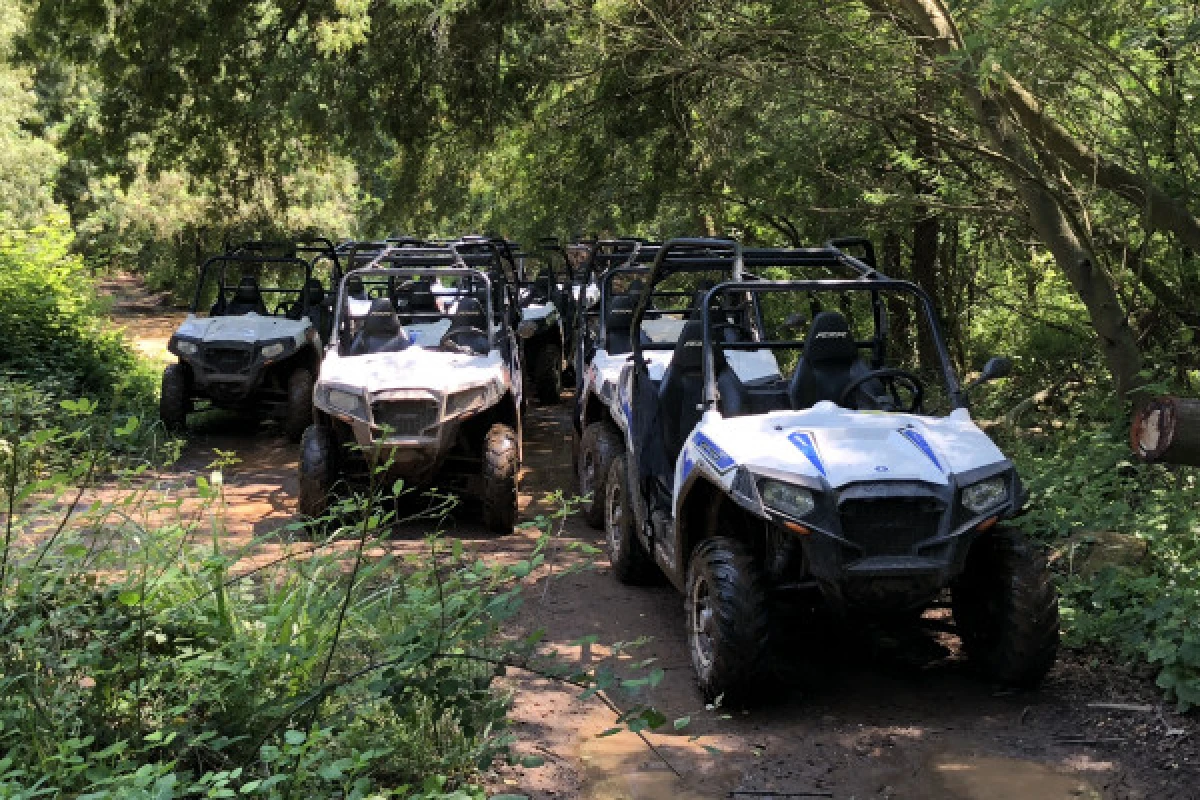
631, 564
547, 375
318, 470
601, 442
500, 466
1006, 609
173, 400
298, 415
727, 619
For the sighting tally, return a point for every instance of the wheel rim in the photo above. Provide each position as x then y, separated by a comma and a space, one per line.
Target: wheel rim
614, 517
700, 613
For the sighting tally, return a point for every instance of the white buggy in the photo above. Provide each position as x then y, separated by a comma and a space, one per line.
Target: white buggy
427, 382
845, 472
253, 339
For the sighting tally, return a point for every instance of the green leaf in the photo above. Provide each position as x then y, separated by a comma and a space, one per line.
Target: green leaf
294, 737
682, 722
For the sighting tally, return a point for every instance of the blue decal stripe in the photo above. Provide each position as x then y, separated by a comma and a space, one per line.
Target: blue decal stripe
688, 464
805, 444
720, 459
916, 438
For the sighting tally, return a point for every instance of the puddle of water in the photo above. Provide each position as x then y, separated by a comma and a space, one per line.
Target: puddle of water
621, 767
989, 777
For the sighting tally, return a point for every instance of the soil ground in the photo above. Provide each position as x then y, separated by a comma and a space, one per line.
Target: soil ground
855, 713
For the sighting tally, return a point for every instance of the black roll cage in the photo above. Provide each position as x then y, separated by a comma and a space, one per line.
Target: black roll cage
876, 286
250, 257
636, 251
418, 262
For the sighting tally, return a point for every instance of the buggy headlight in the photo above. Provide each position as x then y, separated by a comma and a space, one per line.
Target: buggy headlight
272, 350
786, 498
466, 400
187, 348
347, 403
979, 497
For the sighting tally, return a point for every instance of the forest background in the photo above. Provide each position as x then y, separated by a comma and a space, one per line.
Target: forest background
1032, 164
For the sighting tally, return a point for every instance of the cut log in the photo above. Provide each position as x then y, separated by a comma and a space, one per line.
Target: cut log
1167, 430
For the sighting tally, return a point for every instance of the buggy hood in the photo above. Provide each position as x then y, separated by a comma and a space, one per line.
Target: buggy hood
842, 446
243, 328
413, 368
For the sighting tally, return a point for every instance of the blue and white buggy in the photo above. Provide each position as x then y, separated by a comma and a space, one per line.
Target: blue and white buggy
839, 469
616, 269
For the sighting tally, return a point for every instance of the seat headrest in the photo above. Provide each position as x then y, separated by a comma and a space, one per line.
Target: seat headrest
469, 314
420, 294
381, 319
354, 287
247, 290
829, 339
623, 302
314, 291
689, 348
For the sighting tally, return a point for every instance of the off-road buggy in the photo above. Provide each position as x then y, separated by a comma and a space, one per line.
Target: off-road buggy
427, 383
547, 309
837, 470
616, 268
253, 340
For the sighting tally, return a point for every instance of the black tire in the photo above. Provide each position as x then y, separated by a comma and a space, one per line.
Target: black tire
500, 466
1006, 609
318, 470
631, 564
547, 375
298, 416
727, 619
600, 443
173, 402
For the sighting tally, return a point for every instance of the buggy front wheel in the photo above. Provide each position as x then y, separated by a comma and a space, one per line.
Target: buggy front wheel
601, 441
631, 563
500, 467
317, 470
727, 619
173, 400
1006, 609
298, 415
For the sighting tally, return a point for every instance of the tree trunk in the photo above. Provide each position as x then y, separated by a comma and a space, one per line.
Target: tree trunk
1167, 430
1053, 224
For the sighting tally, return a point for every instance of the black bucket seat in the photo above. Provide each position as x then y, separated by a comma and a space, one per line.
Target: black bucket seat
381, 332
828, 364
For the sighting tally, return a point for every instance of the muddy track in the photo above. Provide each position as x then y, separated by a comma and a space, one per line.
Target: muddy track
857, 713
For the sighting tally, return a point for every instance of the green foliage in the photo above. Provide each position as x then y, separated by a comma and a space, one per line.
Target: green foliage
143, 656
52, 325
1082, 480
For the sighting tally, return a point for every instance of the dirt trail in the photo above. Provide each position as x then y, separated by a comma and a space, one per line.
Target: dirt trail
861, 713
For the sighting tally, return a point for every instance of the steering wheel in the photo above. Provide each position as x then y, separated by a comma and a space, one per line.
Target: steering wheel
467, 340
893, 379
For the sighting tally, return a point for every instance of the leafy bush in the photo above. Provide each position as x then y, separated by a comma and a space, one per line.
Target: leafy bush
52, 326
1082, 480
140, 656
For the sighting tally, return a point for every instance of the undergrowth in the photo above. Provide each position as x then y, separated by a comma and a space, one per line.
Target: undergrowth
1074, 455
143, 655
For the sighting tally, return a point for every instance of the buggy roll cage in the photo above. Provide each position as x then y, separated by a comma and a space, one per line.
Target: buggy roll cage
418, 262
613, 255
875, 286
250, 257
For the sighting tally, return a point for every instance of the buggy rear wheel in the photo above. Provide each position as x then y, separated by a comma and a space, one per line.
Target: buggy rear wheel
727, 619
500, 466
1006, 609
601, 442
298, 415
173, 402
318, 470
547, 375
631, 563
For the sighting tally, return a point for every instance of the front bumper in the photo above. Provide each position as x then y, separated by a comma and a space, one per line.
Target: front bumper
230, 371
884, 545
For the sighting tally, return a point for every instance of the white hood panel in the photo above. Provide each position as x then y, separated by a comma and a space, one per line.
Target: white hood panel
247, 328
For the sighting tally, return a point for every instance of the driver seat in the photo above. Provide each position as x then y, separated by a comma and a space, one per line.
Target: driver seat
247, 299
682, 388
468, 326
381, 333
828, 364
